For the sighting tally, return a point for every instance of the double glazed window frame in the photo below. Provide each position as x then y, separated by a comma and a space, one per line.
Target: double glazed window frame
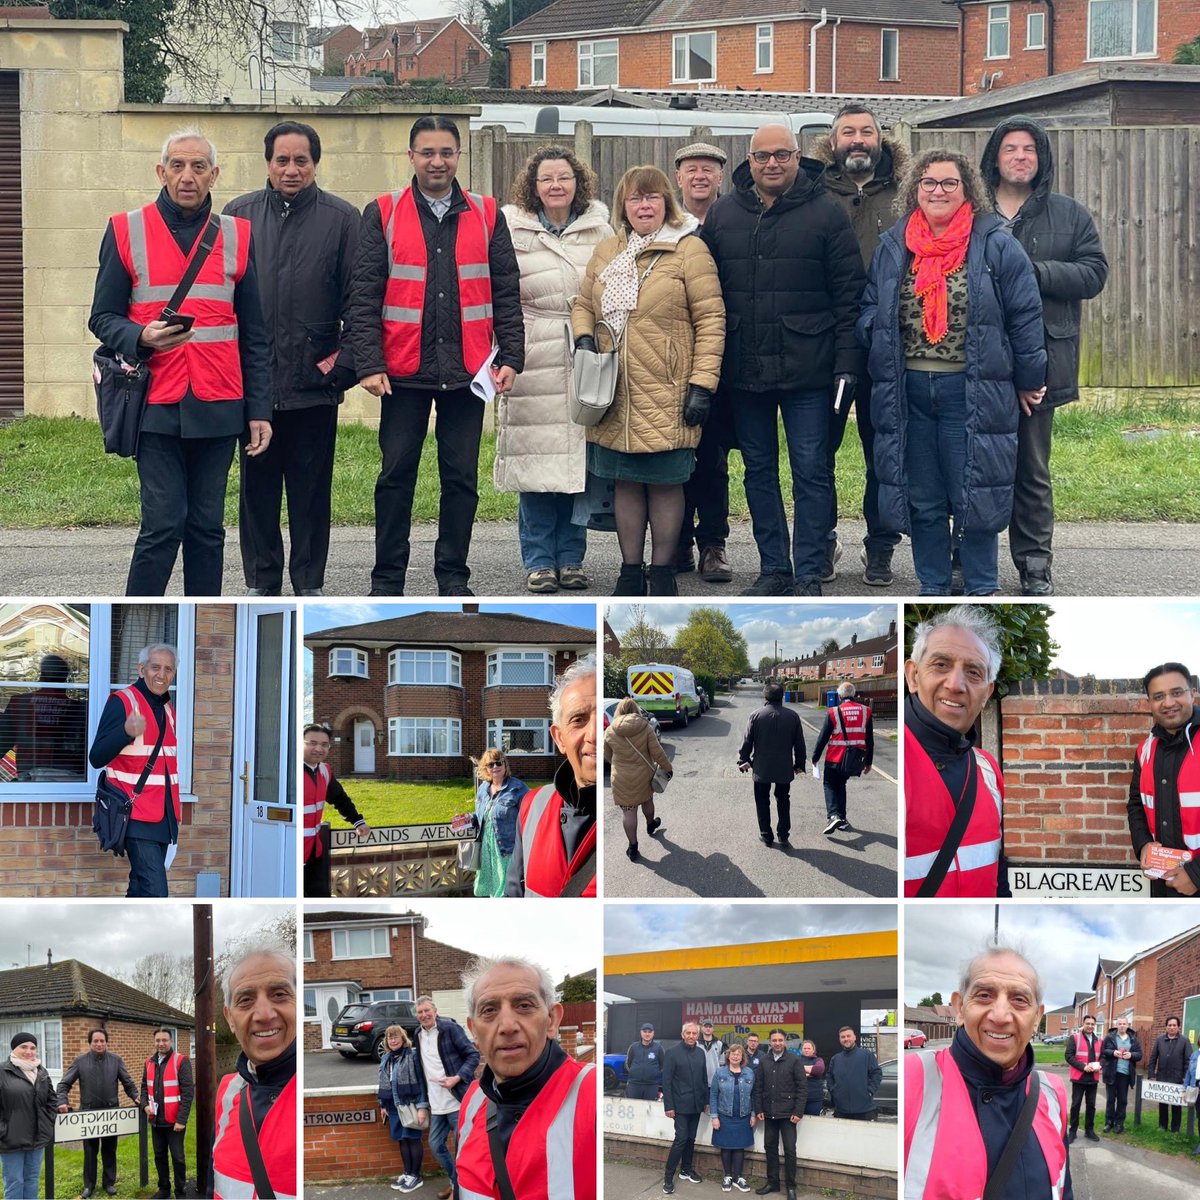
358, 658
497, 658
452, 730
411, 655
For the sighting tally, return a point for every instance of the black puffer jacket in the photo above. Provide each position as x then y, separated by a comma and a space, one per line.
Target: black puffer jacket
1060, 238
780, 1087
441, 328
27, 1111
304, 250
792, 277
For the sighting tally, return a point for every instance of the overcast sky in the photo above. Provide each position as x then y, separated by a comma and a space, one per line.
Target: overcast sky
798, 628
1063, 941
1151, 632
562, 935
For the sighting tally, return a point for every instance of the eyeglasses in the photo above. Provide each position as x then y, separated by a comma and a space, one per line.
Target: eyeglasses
563, 179
1173, 694
948, 186
495, 766
765, 156
648, 198
427, 155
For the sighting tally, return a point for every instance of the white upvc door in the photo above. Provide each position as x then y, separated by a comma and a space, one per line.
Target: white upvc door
364, 746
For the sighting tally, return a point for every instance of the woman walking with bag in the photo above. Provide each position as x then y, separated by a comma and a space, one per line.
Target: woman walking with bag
28, 1111
636, 754
405, 1104
497, 805
730, 1103
653, 292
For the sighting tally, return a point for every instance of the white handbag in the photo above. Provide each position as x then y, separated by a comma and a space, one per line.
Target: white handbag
593, 378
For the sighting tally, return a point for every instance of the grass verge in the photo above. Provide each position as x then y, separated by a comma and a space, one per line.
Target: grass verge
384, 803
68, 1167
1148, 1136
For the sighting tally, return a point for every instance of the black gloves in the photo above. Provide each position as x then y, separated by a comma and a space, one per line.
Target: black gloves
698, 405
586, 342
851, 382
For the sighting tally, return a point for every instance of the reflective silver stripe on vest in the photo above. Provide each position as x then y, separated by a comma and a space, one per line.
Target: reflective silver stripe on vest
968, 858
391, 221
991, 782
474, 271
470, 1112
1055, 1113
405, 271
560, 1144
405, 316
198, 291
225, 1115
226, 1186
920, 1154
137, 246
477, 312
537, 806
229, 1188
229, 240
215, 333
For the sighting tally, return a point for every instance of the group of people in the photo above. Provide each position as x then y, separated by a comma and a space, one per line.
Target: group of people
730, 311
954, 789
743, 1084
259, 990
532, 843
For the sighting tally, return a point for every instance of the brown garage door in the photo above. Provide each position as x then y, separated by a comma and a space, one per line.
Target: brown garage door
12, 340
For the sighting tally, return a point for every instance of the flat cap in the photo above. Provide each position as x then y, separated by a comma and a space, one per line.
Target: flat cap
701, 150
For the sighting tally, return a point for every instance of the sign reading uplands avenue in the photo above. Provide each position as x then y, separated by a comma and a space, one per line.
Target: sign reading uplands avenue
395, 835
96, 1122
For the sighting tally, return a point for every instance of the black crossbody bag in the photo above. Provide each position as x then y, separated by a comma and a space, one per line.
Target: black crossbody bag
958, 829
114, 809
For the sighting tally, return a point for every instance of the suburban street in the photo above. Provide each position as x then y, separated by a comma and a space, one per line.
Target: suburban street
708, 844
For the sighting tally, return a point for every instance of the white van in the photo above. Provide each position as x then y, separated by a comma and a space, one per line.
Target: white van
667, 691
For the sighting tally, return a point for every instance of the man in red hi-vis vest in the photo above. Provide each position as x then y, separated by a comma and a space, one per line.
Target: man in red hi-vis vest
435, 313
210, 371
540, 1102
962, 1104
260, 1006
950, 677
322, 787
167, 1093
1082, 1053
555, 850
849, 733
1166, 768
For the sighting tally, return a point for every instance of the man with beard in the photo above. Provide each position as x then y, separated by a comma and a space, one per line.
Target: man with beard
1060, 238
1164, 772
863, 172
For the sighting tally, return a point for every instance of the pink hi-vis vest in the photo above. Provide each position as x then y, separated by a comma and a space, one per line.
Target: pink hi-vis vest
315, 791
126, 769
849, 729
1081, 1052
1188, 785
944, 1153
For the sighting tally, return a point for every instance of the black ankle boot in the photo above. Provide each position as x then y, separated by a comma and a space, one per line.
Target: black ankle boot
631, 581
662, 581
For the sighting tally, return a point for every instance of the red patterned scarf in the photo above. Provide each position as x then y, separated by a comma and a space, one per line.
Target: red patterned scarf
935, 257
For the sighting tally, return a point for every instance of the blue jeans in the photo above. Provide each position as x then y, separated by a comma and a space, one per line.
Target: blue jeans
935, 465
806, 425
441, 1125
147, 867
835, 792
548, 539
22, 1169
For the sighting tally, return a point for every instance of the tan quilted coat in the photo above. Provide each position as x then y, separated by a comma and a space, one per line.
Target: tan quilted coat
674, 337
634, 751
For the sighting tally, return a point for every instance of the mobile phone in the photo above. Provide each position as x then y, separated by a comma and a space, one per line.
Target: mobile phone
176, 320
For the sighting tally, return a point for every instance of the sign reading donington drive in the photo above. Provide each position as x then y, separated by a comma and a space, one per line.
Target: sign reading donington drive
96, 1122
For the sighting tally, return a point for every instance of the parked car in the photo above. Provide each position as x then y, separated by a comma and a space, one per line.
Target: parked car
610, 706
914, 1039
1056, 1039
886, 1102
359, 1028
615, 1075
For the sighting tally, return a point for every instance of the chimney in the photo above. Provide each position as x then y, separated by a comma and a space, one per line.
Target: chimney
49, 959
853, 639
892, 629
471, 610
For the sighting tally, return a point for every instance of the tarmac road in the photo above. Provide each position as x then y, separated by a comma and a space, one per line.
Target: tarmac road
327, 1068
708, 844
1110, 559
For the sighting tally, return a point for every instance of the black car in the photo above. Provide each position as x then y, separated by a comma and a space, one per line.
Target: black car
359, 1028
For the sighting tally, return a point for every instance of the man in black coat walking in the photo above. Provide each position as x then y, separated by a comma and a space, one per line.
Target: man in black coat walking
773, 748
780, 1093
1060, 238
685, 1097
792, 277
1169, 1059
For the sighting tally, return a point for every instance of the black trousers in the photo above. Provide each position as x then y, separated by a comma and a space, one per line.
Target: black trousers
147, 867
1031, 529
1117, 1094
834, 783
403, 423
783, 803
300, 459
640, 1091
1173, 1112
682, 1148
773, 1132
1084, 1093
316, 876
877, 537
106, 1148
183, 483
706, 493
867, 1116
168, 1152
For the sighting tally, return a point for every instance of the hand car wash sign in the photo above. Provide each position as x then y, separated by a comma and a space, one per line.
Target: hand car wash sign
739, 1018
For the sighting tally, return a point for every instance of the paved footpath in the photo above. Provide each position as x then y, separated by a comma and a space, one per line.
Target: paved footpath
1094, 559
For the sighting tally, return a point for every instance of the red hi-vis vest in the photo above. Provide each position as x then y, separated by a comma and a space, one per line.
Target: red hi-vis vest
170, 1105
404, 296
546, 868
944, 1153
314, 808
276, 1139
929, 813
126, 769
1081, 1052
209, 364
552, 1152
849, 729
1188, 785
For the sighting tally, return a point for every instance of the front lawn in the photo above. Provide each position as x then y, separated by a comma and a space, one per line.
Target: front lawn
383, 802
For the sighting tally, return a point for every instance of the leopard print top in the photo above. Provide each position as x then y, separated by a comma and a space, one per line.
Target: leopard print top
953, 347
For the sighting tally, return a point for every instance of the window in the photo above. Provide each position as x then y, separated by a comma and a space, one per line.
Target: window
889, 54
1122, 28
287, 41
860, 663
439, 736
520, 735
1121, 988
597, 63
360, 943
309, 954
344, 660
695, 57
310, 1004
1132, 981
997, 36
425, 667
1104, 992
877, 660
49, 1040
537, 64
1035, 31
520, 668
385, 994
764, 49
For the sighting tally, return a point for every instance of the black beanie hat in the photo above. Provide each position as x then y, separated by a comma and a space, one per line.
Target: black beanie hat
19, 1039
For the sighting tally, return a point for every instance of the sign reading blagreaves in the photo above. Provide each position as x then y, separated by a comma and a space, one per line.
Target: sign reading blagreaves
94, 1123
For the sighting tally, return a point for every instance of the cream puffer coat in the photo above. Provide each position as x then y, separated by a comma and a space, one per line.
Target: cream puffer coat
634, 750
538, 447
674, 337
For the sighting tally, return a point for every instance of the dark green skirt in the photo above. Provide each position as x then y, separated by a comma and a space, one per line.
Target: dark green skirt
664, 466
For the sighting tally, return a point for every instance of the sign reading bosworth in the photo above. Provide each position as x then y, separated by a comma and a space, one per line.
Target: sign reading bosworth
94, 1123
360, 1116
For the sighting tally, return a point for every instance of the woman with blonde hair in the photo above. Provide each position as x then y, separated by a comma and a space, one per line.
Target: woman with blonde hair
653, 291
404, 1100
497, 805
633, 749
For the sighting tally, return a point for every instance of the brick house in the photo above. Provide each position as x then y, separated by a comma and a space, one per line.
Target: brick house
867, 659
59, 1003
441, 48
235, 720
329, 47
416, 697
1059, 1021
1003, 44
1177, 988
873, 47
